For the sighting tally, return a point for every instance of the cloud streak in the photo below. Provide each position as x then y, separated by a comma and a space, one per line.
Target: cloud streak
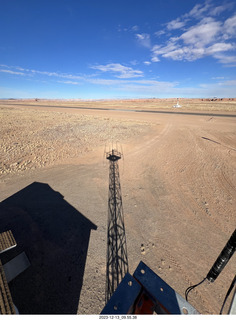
175, 24
12, 72
144, 39
69, 82
32, 72
119, 70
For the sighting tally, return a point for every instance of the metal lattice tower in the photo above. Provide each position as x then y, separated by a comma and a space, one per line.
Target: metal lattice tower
117, 258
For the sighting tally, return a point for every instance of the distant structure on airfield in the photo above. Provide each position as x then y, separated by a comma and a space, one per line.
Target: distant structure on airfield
177, 105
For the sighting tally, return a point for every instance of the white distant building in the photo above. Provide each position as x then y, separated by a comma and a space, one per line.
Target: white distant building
177, 105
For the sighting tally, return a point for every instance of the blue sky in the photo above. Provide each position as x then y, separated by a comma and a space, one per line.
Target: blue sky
98, 49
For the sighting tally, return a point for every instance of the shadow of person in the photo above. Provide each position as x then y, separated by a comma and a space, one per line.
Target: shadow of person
55, 238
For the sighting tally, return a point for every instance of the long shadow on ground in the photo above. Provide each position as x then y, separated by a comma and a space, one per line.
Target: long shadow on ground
55, 238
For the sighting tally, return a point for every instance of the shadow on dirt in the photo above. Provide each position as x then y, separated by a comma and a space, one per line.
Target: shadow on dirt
55, 238
117, 255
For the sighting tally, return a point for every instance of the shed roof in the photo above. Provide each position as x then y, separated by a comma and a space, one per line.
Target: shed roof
6, 303
7, 242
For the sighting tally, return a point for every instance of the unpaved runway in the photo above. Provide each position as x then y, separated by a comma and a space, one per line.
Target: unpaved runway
179, 195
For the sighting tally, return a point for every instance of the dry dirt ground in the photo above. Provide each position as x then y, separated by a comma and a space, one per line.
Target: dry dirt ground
178, 183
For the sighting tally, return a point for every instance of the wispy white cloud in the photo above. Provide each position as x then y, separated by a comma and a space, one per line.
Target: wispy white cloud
56, 74
225, 59
218, 89
33, 72
199, 10
228, 83
219, 9
159, 33
144, 39
159, 50
131, 29
135, 28
175, 24
134, 62
230, 27
119, 70
116, 69
201, 34
218, 78
219, 47
68, 82
12, 72
155, 58
107, 82
162, 88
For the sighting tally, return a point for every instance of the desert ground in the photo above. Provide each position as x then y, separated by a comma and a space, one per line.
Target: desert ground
178, 183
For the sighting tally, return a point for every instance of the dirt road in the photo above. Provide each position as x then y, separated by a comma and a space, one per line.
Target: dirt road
178, 183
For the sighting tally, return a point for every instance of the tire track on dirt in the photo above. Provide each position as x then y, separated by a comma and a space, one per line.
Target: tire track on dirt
226, 181
218, 185
144, 146
180, 270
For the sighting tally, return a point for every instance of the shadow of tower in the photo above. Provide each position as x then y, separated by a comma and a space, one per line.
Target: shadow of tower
117, 258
